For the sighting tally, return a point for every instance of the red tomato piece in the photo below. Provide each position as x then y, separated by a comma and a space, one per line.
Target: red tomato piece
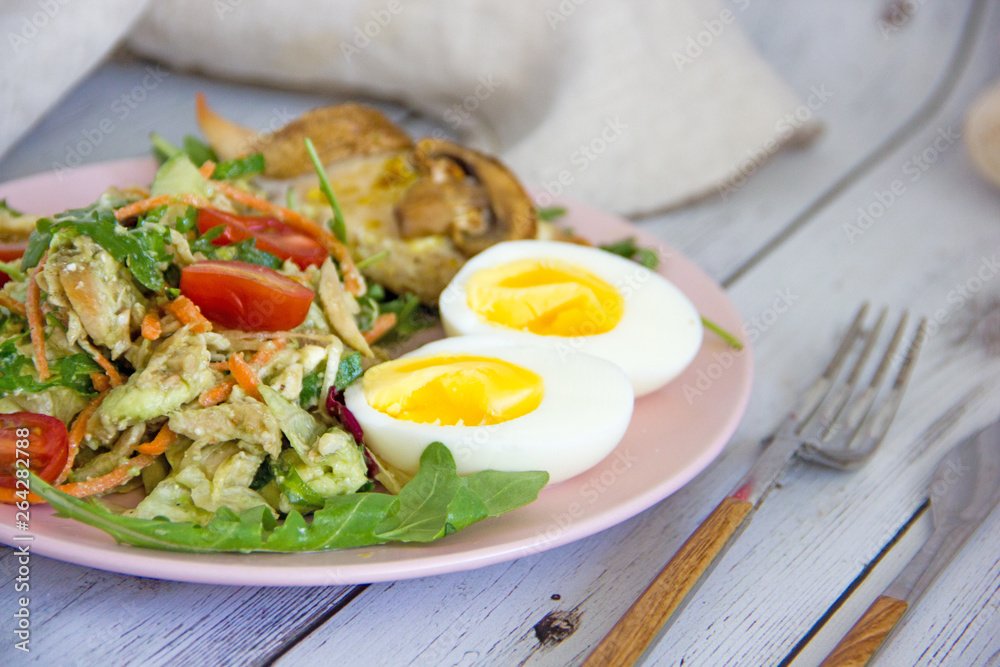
272, 236
34, 442
245, 296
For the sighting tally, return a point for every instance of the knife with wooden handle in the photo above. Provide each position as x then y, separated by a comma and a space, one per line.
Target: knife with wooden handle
965, 490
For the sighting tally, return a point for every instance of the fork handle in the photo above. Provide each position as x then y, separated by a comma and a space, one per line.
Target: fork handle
867, 635
641, 624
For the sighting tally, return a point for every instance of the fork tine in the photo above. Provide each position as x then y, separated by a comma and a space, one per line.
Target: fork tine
863, 402
834, 405
878, 423
874, 425
813, 397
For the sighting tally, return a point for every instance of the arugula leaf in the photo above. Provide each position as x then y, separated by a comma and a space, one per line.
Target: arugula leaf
421, 508
38, 243
435, 503
140, 249
550, 213
411, 317
8, 209
246, 251
241, 166
628, 249
198, 151
203, 243
348, 371
16, 372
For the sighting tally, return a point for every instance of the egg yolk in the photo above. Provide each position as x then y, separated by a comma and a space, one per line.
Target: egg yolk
453, 389
545, 297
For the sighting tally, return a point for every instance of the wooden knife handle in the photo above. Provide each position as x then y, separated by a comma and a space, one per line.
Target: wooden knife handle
867, 635
642, 622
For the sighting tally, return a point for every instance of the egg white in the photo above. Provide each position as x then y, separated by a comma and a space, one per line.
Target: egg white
585, 410
657, 337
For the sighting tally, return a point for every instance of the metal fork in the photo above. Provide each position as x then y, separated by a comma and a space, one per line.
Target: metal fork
835, 423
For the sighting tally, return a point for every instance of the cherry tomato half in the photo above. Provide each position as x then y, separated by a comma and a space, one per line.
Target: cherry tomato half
245, 296
9, 251
272, 236
33, 442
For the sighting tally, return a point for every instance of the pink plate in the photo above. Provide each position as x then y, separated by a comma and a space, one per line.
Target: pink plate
675, 433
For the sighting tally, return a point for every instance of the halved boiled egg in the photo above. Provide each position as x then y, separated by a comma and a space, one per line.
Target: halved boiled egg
576, 298
496, 405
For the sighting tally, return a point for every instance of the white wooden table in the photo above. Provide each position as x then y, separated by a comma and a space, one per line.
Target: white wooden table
822, 545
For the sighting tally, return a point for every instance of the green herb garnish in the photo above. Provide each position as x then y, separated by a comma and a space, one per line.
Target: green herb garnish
629, 249
16, 372
338, 225
733, 341
237, 167
550, 213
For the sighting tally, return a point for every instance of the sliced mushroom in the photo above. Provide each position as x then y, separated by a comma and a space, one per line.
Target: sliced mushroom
487, 204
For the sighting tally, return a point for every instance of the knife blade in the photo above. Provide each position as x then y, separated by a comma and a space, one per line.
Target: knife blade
964, 491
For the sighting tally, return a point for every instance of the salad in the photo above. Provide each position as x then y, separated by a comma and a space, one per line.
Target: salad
192, 342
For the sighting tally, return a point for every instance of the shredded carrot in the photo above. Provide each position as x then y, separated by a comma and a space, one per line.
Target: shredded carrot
245, 376
77, 432
260, 358
380, 327
90, 487
266, 353
136, 208
114, 377
185, 310
219, 366
9, 496
159, 444
36, 322
116, 477
218, 393
151, 326
300, 223
11, 304
207, 169
100, 381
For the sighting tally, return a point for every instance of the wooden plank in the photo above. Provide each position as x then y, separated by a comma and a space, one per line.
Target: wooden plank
783, 573
82, 616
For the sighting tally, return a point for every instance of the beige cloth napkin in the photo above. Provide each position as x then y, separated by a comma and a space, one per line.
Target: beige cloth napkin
633, 105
